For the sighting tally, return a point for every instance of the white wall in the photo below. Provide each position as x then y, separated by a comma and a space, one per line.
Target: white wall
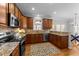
59, 21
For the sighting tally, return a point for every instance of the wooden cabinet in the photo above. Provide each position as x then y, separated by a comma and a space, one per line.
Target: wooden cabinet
16, 12
11, 8
38, 38
3, 12
15, 51
23, 22
20, 20
34, 38
47, 23
29, 23
59, 41
19, 15
29, 38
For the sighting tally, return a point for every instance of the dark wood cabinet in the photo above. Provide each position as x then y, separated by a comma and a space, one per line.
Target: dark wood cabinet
34, 38
29, 23
47, 23
15, 51
38, 38
29, 38
59, 41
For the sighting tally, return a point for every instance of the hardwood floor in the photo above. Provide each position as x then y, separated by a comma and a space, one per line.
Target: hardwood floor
64, 52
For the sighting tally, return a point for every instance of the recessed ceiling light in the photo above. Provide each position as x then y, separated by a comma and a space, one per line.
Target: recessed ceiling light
33, 8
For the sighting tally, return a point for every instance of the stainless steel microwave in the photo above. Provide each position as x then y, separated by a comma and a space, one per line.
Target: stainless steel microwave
12, 20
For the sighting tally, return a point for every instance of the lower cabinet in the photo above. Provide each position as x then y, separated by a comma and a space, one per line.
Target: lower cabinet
15, 51
34, 38
59, 41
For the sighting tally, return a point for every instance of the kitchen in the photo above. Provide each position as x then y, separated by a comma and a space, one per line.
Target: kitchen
28, 29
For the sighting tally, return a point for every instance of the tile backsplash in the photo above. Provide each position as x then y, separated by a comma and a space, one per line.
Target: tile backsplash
4, 29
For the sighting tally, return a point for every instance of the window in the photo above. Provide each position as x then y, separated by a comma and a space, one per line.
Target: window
62, 27
37, 25
59, 27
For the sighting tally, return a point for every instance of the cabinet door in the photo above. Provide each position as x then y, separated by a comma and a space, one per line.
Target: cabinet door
20, 21
28, 39
47, 23
64, 41
11, 8
24, 20
16, 12
19, 15
39, 38
55, 39
58, 41
29, 23
3, 11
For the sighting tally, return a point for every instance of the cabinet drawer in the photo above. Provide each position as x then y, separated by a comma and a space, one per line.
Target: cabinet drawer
15, 51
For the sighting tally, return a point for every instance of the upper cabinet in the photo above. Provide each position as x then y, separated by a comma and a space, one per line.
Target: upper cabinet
29, 23
24, 21
19, 15
47, 23
11, 8
16, 12
3, 11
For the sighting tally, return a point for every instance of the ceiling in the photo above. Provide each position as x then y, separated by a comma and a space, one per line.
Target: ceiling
64, 11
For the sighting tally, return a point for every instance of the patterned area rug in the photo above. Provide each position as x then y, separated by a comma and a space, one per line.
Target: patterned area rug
43, 49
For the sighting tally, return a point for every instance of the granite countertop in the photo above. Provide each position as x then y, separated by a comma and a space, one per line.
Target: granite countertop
36, 32
7, 48
60, 33
50, 32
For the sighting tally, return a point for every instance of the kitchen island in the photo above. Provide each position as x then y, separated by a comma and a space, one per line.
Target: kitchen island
7, 49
